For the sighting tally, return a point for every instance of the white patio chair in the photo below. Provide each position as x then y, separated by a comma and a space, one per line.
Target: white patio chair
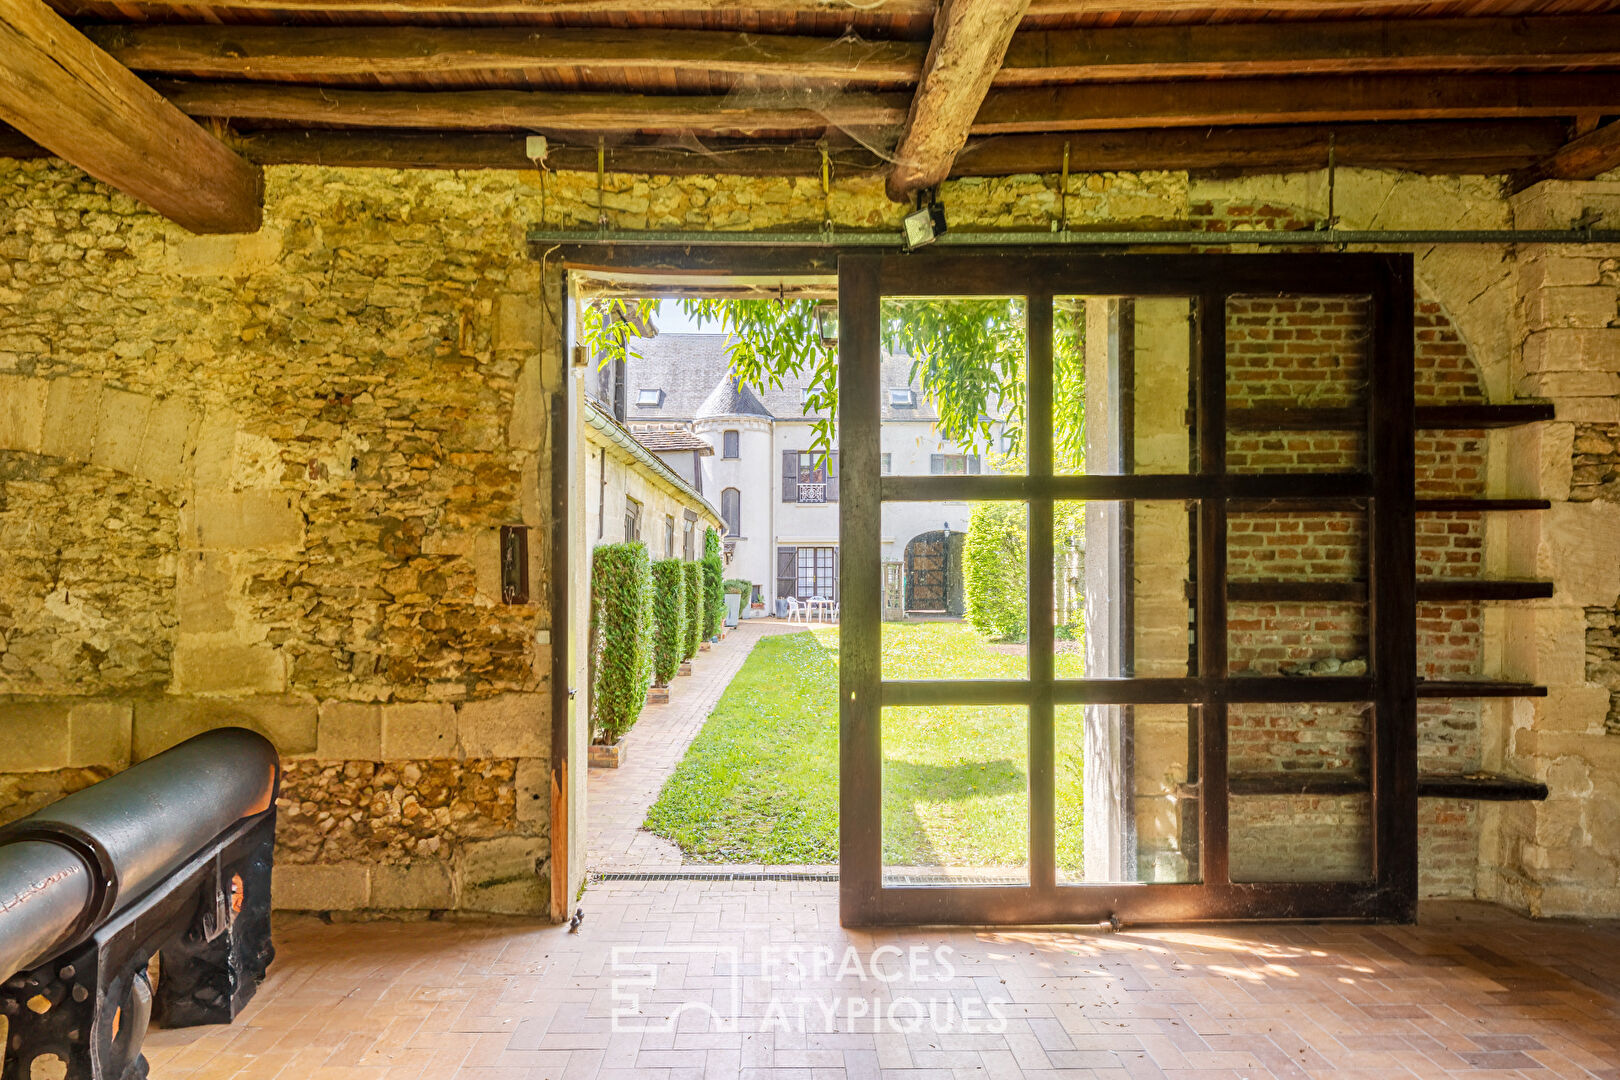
796, 612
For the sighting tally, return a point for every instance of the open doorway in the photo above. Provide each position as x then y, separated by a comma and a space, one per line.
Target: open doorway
1045, 681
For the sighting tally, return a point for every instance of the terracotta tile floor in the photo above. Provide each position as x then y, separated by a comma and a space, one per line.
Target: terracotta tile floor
721, 979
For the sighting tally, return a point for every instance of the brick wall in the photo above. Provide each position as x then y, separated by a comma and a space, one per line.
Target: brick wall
1311, 352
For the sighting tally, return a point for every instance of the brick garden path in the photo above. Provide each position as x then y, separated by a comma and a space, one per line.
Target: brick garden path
618, 799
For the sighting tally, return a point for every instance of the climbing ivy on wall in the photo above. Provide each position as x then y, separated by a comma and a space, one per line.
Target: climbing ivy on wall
669, 618
621, 631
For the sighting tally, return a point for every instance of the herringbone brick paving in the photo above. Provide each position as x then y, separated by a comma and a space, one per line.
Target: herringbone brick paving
757, 979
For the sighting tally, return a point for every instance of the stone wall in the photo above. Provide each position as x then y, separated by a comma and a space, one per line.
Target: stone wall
259, 480
287, 455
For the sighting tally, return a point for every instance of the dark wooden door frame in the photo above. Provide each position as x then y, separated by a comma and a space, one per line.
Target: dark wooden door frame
1384, 488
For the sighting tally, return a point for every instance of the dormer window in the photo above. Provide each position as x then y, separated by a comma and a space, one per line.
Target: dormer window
649, 399
902, 397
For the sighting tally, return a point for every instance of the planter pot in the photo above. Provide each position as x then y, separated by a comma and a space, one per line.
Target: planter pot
733, 608
703, 646
686, 668
658, 695
606, 757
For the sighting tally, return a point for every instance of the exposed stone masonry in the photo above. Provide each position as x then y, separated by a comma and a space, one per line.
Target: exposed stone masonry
1603, 658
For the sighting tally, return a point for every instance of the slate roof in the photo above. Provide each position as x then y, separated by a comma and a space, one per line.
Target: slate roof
690, 368
732, 398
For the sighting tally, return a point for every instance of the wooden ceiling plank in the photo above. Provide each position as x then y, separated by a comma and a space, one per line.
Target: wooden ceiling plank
1326, 48
543, 111
314, 53
970, 38
1584, 158
67, 95
1329, 99
338, 9
1488, 147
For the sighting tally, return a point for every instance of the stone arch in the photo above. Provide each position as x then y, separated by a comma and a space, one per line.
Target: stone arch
88, 422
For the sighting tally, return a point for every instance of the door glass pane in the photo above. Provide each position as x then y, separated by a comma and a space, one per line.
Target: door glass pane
1122, 385
955, 795
956, 580
1125, 810
1122, 582
1297, 369
1297, 593
1301, 807
953, 385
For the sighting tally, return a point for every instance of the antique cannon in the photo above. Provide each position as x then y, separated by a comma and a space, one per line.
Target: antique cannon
172, 857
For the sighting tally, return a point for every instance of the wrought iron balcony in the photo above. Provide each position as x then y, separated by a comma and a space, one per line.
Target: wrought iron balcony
813, 493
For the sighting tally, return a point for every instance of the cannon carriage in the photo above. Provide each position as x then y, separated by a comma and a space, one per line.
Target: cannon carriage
170, 858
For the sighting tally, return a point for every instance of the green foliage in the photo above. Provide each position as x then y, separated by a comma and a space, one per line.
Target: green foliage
739, 587
968, 355
714, 593
621, 624
669, 618
693, 573
995, 570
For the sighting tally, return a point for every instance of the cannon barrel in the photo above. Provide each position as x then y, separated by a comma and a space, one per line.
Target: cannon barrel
72, 865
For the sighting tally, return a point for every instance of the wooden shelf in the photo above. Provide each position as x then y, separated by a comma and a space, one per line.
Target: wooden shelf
1429, 417
1429, 590
1434, 506
1467, 688
1490, 787
1440, 590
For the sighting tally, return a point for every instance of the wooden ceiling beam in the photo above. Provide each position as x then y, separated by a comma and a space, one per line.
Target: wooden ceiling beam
1583, 158
970, 38
1487, 147
1325, 48
1329, 99
337, 10
310, 54
537, 110
314, 53
70, 97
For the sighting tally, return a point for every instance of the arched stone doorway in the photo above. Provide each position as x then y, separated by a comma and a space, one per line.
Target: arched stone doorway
933, 568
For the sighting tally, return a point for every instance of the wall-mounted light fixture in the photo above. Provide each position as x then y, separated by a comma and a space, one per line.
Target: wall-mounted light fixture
925, 224
514, 564
827, 323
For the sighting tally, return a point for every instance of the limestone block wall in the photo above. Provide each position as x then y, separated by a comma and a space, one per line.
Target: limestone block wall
259, 480
1562, 857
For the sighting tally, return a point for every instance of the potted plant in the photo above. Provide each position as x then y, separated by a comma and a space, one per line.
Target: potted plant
736, 589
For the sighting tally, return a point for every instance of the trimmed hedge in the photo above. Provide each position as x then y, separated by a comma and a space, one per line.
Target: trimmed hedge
739, 587
714, 595
995, 570
693, 573
669, 618
621, 626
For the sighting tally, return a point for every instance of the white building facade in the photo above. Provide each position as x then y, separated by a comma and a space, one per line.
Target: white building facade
750, 451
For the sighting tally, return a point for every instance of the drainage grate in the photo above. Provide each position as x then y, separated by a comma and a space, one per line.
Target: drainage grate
714, 875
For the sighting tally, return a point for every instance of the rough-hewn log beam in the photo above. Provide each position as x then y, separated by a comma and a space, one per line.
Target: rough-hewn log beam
538, 110
311, 53
70, 97
1492, 146
1579, 159
1322, 48
1331, 99
970, 38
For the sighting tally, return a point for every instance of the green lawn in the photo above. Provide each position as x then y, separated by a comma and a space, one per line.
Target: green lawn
760, 783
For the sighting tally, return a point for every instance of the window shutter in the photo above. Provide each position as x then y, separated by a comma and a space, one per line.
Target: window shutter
936, 463
787, 571
832, 476
790, 476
